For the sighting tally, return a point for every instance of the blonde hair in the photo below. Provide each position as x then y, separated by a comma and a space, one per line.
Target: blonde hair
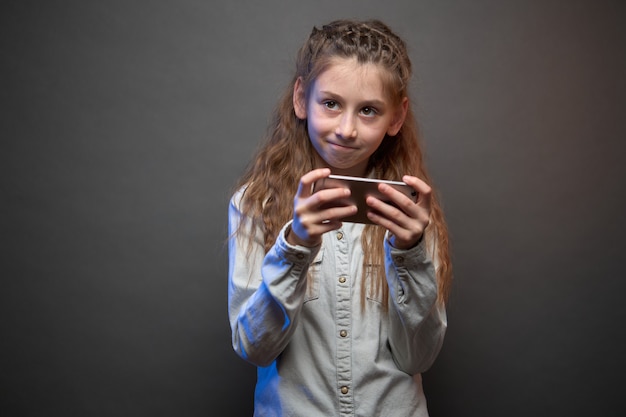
286, 154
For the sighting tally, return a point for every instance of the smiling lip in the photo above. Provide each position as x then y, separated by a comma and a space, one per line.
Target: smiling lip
340, 146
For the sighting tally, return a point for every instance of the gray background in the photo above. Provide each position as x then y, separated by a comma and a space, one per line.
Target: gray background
125, 124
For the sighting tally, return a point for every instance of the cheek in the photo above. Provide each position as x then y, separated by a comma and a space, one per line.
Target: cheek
315, 130
374, 133
311, 124
319, 124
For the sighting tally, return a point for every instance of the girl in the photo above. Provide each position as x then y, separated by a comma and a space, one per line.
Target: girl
339, 318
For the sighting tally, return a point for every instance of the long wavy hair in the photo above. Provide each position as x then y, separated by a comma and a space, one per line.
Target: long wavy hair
286, 154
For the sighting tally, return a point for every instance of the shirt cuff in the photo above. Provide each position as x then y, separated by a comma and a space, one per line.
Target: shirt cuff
417, 255
296, 254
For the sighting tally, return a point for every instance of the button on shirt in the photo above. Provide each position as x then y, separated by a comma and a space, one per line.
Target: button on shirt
296, 313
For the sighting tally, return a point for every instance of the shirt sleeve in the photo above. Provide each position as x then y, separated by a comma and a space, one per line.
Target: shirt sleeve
265, 291
418, 322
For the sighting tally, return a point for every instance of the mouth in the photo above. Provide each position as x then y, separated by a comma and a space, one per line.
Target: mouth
340, 146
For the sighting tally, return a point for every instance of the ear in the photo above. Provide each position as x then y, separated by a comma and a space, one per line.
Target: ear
299, 99
399, 116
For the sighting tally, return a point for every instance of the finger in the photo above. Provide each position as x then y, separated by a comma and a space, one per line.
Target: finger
397, 214
337, 213
331, 197
399, 200
424, 191
305, 188
404, 234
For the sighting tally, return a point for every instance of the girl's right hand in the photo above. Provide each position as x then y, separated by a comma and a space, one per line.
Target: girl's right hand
317, 213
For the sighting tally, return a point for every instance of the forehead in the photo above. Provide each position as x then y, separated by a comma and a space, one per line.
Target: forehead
346, 76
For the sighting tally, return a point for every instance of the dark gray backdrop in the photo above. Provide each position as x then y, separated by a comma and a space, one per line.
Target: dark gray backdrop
125, 124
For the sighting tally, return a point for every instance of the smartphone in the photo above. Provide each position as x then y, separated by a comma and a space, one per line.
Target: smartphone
360, 188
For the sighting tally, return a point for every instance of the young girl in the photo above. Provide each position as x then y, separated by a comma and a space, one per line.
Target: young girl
339, 318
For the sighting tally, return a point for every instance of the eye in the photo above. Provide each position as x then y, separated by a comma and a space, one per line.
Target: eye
330, 104
369, 111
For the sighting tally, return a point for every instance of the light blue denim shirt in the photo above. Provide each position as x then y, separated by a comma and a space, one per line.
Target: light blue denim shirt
318, 353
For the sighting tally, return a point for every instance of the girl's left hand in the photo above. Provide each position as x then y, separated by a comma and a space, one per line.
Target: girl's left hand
407, 221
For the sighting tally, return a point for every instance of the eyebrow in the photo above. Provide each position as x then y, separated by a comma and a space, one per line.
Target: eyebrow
366, 103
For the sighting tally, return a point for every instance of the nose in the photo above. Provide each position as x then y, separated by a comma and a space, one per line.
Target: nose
347, 127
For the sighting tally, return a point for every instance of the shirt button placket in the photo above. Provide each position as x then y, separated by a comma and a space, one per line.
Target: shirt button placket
343, 305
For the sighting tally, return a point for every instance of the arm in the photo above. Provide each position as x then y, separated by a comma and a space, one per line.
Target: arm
265, 292
417, 321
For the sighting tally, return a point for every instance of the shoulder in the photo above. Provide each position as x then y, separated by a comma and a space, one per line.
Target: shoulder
237, 198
